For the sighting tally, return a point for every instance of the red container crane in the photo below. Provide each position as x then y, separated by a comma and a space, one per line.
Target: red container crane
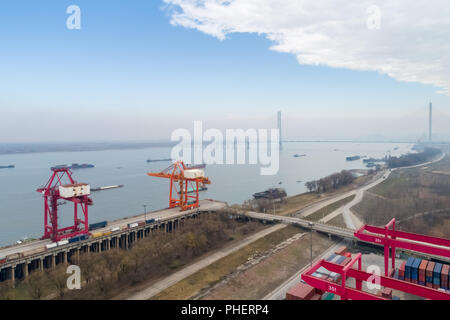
56, 189
182, 181
391, 239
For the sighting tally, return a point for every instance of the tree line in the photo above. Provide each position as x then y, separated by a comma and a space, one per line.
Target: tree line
107, 274
412, 159
330, 182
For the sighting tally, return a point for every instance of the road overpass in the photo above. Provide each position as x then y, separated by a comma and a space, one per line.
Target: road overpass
344, 233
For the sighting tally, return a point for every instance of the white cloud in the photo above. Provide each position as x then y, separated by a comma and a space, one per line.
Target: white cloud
412, 42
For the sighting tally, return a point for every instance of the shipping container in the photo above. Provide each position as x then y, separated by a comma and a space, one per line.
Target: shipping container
98, 225
97, 234
422, 272
149, 221
63, 242
34, 251
2, 260
429, 274
340, 259
415, 270
51, 245
401, 271
141, 223
301, 291
316, 296
437, 275
132, 225
341, 251
408, 267
331, 257
107, 233
327, 296
74, 239
345, 261
444, 276
387, 293
115, 229
14, 256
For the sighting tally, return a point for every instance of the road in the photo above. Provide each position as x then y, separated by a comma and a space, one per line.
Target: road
197, 266
351, 220
164, 214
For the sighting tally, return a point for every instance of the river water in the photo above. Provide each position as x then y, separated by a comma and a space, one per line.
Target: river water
21, 207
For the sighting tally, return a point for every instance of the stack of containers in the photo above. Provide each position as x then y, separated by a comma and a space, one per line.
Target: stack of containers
341, 251
444, 276
422, 272
401, 271
429, 274
300, 291
415, 270
437, 275
408, 266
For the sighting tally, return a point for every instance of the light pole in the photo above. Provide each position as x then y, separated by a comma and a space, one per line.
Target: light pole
311, 227
145, 211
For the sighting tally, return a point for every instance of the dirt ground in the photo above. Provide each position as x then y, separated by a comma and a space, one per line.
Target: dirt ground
253, 282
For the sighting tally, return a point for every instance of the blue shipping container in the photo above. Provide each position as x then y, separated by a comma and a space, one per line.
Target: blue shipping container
408, 266
437, 274
415, 269
331, 257
340, 259
149, 221
98, 225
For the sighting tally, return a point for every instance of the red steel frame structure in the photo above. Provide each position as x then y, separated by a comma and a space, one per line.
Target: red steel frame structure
51, 196
179, 186
390, 238
348, 271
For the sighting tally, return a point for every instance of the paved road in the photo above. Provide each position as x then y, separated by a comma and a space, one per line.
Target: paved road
163, 214
196, 266
351, 220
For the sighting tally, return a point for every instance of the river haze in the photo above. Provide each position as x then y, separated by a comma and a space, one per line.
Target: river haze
21, 207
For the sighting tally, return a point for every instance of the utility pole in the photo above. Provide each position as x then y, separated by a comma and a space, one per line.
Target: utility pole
145, 211
430, 124
311, 227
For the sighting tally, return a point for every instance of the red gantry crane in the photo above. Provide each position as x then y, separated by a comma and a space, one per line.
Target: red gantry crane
56, 189
390, 239
183, 181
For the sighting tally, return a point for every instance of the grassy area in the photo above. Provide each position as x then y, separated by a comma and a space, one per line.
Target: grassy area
412, 196
254, 283
212, 274
338, 221
319, 214
295, 203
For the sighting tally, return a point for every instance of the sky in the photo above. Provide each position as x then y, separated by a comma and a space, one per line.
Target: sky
138, 70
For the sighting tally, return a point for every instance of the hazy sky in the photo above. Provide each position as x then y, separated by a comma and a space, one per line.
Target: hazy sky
137, 70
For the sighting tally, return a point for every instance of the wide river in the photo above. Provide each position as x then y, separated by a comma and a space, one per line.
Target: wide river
22, 208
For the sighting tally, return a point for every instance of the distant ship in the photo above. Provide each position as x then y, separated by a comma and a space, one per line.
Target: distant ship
197, 166
8, 167
73, 166
299, 155
107, 187
158, 160
353, 158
